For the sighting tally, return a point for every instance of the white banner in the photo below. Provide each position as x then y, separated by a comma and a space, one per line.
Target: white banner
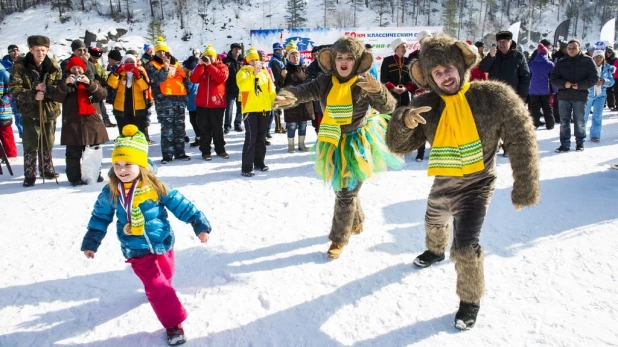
608, 32
307, 38
514, 28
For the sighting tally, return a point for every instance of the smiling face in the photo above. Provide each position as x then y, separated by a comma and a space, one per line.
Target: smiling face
77, 70
446, 78
344, 62
126, 172
598, 59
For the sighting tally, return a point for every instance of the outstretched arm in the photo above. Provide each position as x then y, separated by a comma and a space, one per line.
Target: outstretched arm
403, 134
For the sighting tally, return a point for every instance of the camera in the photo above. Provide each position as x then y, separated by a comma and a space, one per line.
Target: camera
167, 54
205, 58
77, 78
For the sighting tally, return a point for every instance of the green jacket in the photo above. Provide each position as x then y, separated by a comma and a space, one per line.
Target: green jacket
24, 78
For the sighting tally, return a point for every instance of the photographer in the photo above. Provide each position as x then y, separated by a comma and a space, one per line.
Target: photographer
211, 75
81, 125
129, 104
170, 94
258, 92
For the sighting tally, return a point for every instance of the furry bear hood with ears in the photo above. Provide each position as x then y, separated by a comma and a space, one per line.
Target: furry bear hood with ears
442, 50
362, 59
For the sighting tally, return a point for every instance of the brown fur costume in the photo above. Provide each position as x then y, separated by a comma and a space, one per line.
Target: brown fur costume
499, 114
348, 215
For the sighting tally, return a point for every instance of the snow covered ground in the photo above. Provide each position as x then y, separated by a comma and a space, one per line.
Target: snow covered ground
263, 278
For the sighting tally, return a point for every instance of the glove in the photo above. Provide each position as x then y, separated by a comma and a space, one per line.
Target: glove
284, 99
119, 70
370, 85
136, 73
411, 117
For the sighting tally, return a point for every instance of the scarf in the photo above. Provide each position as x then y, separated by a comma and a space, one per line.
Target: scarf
456, 148
338, 112
135, 193
598, 89
84, 106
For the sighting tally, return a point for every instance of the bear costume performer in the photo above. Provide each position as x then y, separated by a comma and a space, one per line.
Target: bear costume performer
351, 143
464, 122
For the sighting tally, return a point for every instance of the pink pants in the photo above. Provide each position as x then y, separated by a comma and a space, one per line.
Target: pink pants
156, 273
8, 141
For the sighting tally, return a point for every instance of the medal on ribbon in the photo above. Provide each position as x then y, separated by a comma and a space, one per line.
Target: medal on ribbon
126, 201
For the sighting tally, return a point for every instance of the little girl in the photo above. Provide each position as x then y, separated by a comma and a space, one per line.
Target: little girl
139, 200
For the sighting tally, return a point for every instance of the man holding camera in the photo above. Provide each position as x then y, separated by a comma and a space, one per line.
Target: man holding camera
169, 88
210, 100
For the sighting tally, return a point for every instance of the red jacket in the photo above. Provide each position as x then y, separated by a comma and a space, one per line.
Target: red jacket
477, 74
211, 91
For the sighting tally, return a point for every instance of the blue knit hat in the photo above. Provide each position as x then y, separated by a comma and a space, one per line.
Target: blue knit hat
190, 63
148, 46
277, 46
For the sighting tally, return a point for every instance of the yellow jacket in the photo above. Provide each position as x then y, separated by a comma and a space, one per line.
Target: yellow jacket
118, 82
246, 84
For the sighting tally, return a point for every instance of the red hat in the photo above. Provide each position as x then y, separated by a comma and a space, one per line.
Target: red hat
541, 49
76, 61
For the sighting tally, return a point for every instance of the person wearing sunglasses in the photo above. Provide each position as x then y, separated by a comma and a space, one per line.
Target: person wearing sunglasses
79, 50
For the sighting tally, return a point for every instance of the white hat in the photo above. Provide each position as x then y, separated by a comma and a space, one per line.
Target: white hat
398, 42
423, 34
129, 56
598, 52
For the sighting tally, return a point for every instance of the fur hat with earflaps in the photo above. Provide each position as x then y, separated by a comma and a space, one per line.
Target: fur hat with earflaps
442, 50
362, 59
38, 40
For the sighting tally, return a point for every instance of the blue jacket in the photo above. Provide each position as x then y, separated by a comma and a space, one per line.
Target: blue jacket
7, 62
606, 75
192, 92
374, 71
158, 237
540, 69
6, 112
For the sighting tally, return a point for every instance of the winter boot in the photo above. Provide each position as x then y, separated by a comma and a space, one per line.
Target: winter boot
359, 218
176, 335
466, 315
196, 142
470, 283
29, 169
301, 143
334, 251
341, 229
291, 145
436, 239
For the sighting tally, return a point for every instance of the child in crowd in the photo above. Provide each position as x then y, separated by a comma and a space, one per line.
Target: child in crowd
139, 201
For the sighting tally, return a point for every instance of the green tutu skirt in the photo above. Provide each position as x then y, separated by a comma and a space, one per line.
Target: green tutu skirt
359, 155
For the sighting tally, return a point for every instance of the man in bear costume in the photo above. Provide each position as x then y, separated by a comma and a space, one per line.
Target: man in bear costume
464, 122
351, 142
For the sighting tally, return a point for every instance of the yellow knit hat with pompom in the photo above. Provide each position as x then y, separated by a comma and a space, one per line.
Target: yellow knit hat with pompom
131, 146
291, 46
161, 45
210, 51
252, 55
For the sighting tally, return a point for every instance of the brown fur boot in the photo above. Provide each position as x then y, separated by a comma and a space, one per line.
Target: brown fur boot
343, 218
470, 284
359, 218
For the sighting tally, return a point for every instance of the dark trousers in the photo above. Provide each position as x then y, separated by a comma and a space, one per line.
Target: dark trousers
141, 122
194, 123
172, 120
254, 149
210, 122
538, 103
611, 97
231, 100
73, 156
575, 109
104, 112
556, 109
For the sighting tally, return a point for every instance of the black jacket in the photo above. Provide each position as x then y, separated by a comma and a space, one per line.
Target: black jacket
579, 69
510, 68
393, 74
233, 66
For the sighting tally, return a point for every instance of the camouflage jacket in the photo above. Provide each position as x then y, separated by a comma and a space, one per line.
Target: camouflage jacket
24, 78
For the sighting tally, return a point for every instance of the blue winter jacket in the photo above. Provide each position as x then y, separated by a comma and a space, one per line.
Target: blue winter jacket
607, 72
7, 63
192, 92
158, 237
6, 111
540, 69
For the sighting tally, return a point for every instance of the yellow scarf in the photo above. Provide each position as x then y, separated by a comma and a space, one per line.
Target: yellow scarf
339, 110
142, 193
456, 148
